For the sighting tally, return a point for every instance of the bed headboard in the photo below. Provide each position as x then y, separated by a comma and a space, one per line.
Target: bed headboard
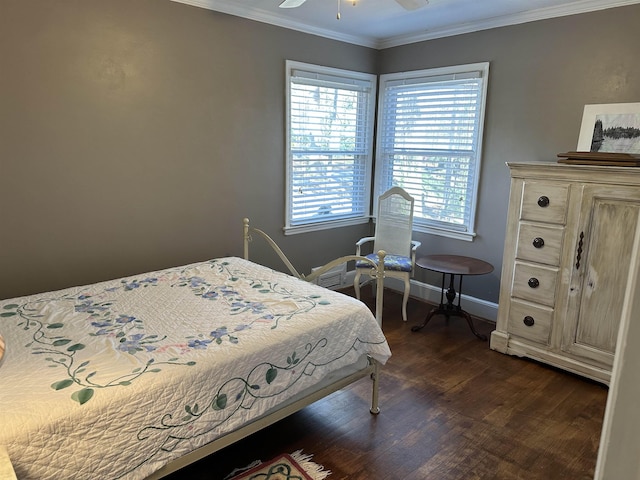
377, 268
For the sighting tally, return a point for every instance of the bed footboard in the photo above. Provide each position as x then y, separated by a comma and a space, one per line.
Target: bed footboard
294, 406
344, 378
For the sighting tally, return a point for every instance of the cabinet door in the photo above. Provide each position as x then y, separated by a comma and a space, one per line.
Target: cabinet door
599, 271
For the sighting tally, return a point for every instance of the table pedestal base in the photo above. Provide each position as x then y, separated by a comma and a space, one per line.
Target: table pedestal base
443, 310
449, 309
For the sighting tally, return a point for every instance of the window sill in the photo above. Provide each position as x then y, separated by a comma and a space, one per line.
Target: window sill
466, 236
315, 227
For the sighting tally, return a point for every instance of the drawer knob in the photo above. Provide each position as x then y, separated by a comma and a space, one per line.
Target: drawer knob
538, 242
528, 321
533, 282
543, 201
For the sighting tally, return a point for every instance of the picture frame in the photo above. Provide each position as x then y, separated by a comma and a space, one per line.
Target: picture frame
610, 128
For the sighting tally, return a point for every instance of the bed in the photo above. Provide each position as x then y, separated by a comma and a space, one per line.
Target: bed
137, 377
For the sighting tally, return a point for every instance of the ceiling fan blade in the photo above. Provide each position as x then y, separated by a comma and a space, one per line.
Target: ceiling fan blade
291, 3
411, 4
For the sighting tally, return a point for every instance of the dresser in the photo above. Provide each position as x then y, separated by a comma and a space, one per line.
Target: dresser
570, 232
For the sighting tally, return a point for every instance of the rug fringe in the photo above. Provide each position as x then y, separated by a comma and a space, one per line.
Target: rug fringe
317, 472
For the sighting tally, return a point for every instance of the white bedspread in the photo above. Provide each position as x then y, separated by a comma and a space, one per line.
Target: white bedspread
114, 380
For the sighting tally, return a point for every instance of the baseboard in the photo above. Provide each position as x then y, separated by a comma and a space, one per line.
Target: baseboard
431, 293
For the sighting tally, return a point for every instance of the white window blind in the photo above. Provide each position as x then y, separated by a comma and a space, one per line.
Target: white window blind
329, 147
429, 143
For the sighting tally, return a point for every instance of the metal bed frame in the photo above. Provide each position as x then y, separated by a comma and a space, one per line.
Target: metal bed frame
311, 395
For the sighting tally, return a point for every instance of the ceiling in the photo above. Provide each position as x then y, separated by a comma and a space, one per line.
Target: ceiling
384, 23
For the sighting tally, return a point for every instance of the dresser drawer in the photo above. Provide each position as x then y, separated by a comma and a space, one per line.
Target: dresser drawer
544, 202
535, 283
531, 322
539, 243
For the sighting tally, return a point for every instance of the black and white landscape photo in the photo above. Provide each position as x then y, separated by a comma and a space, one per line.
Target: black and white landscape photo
610, 128
616, 133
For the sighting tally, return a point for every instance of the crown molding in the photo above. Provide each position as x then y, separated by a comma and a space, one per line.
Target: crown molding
259, 15
575, 8
580, 6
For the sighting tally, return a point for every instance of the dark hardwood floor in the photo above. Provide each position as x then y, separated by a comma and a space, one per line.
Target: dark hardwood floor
451, 409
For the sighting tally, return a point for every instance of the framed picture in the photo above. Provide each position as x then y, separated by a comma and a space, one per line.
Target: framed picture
610, 128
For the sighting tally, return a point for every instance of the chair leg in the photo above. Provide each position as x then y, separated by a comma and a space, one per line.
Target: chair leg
405, 298
356, 284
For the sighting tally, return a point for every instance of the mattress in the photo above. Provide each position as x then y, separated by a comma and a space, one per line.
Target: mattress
116, 379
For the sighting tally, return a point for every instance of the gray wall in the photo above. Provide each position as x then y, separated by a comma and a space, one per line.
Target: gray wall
541, 75
136, 135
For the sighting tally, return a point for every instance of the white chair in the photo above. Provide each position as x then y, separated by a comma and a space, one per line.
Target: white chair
394, 225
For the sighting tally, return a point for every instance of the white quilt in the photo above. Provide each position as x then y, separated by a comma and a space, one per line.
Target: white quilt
114, 380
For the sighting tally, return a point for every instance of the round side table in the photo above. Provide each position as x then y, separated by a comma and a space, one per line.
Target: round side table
452, 265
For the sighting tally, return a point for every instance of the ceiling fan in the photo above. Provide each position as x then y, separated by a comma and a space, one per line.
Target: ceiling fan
406, 4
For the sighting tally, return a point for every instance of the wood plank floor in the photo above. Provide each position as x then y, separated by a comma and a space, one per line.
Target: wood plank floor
452, 409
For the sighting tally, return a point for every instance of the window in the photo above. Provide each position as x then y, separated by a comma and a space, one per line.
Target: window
330, 116
429, 143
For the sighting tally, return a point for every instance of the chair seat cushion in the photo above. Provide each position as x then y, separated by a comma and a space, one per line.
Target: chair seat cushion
396, 263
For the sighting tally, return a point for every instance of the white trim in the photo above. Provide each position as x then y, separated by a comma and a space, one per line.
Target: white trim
281, 20
315, 227
431, 294
466, 236
480, 71
575, 8
368, 80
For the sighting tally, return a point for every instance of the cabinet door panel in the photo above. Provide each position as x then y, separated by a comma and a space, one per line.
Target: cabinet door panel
609, 216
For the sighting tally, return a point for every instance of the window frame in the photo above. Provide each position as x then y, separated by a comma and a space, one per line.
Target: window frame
323, 72
466, 232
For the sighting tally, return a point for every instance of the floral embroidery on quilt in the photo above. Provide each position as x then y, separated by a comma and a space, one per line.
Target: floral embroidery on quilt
101, 310
236, 395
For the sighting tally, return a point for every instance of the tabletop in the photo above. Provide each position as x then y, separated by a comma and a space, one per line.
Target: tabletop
455, 264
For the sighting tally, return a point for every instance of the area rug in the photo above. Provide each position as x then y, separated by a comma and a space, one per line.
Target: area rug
296, 466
